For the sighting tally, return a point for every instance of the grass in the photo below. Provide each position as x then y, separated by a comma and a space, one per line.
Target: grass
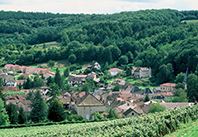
48, 44
187, 130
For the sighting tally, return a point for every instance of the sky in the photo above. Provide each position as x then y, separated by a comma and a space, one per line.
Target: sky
94, 6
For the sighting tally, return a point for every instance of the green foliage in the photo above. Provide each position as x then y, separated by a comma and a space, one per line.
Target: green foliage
112, 113
116, 87
49, 80
98, 116
4, 118
58, 79
75, 117
156, 107
180, 78
21, 78
123, 60
39, 110
12, 113
180, 96
21, 117
66, 72
192, 87
51, 63
37, 82
180, 85
54, 92
72, 58
27, 84
146, 98
56, 111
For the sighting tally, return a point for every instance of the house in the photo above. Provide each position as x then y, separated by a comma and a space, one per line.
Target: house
124, 107
91, 75
87, 105
11, 89
175, 105
119, 81
147, 91
11, 67
141, 72
29, 70
11, 83
66, 102
22, 69
115, 71
133, 112
41, 71
7, 78
45, 89
94, 65
135, 89
168, 87
74, 81
26, 75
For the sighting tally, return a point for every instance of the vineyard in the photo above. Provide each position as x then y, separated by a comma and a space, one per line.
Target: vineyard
152, 125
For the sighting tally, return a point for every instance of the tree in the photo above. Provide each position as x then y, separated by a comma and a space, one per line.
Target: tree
156, 107
50, 80
39, 108
12, 113
123, 60
192, 87
146, 98
58, 78
98, 116
4, 118
21, 77
112, 113
72, 58
116, 87
180, 85
21, 117
196, 71
66, 72
54, 92
128, 71
75, 117
130, 57
51, 63
37, 82
180, 77
56, 111
27, 84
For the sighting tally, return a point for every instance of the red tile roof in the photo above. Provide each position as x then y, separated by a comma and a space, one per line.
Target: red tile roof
115, 70
168, 84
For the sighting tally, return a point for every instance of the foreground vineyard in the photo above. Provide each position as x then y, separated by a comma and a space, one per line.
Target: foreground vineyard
157, 124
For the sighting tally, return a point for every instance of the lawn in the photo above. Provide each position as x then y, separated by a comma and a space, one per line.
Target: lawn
188, 130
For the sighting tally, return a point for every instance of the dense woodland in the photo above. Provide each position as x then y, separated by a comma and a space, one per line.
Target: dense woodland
150, 38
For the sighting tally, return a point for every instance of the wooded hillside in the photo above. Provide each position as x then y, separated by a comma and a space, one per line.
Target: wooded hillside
149, 38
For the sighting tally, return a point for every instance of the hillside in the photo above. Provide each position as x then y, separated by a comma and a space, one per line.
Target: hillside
148, 38
158, 124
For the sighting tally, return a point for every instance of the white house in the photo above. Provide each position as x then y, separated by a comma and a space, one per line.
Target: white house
168, 87
11, 83
115, 71
141, 72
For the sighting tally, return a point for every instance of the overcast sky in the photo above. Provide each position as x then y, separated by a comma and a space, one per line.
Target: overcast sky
94, 6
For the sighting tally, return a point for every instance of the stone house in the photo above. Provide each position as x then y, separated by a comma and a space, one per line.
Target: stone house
141, 72
115, 71
94, 65
119, 81
91, 75
133, 112
168, 87
74, 81
88, 105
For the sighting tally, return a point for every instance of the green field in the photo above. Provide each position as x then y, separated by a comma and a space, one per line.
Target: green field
189, 21
145, 125
188, 130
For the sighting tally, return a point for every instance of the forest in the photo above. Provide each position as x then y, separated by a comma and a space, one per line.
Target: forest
160, 39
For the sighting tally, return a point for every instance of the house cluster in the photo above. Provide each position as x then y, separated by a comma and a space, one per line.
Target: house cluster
128, 100
25, 69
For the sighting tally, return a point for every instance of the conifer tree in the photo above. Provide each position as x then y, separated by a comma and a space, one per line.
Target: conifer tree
21, 117
66, 72
49, 81
39, 108
12, 113
146, 98
58, 78
56, 111
4, 118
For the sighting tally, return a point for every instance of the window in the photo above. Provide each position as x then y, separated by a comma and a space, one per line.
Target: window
132, 114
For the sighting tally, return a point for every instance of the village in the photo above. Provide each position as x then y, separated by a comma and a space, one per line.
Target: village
128, 100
